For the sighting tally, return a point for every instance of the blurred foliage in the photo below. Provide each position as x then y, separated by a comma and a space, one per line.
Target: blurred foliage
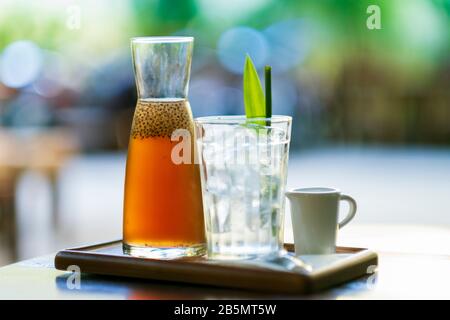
354, 85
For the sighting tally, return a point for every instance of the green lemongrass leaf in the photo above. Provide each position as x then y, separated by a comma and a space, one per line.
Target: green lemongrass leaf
268, 87
254, 101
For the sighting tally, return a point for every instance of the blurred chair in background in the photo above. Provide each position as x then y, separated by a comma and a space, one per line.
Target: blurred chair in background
45, 150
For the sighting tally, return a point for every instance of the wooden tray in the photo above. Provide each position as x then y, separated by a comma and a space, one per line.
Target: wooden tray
323, 270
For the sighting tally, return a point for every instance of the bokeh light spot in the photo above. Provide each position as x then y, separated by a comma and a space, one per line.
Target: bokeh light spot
20, 64
235, 43
289, 43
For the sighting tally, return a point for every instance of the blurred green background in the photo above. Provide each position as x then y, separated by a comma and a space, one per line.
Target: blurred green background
68, 63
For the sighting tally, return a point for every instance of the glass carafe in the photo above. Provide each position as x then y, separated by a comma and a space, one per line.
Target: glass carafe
163, 213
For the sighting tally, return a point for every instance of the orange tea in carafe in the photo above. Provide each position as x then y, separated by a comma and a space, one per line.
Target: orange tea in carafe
163, 214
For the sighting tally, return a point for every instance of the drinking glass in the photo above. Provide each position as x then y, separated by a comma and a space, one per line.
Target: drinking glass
243, 168
163, 214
